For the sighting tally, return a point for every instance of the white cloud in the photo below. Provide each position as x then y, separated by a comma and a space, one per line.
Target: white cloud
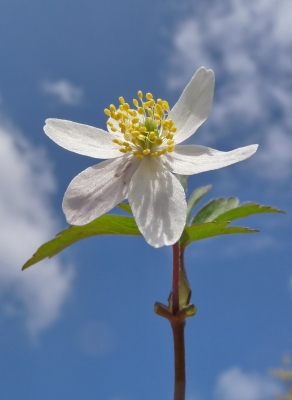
249, 45
96, 338
35, 295
64, 91
234, 384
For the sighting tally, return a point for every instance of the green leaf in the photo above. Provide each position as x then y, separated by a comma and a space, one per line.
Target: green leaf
125, 207
104, 225
246, 209
210, 229
214, 208
195, 197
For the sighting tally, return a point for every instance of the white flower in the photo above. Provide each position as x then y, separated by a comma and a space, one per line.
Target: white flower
142, 145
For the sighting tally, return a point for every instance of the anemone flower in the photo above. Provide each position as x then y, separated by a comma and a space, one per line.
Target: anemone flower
143, 149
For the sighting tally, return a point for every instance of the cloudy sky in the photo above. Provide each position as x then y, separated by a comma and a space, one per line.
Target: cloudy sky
81, 325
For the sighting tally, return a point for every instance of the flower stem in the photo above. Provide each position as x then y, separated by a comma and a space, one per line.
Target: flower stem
178, 325
179, 360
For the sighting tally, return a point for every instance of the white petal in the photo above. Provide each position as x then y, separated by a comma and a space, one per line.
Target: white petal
194, 104
158, 203
192, 159
98, 189
82, 139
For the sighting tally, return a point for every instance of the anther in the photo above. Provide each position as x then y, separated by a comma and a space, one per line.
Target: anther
165, 105
117, 141
122, 100
148, 96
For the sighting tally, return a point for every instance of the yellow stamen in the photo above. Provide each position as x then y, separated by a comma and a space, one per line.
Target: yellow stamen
146, 130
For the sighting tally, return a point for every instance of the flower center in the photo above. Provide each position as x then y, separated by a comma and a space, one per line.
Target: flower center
146, 130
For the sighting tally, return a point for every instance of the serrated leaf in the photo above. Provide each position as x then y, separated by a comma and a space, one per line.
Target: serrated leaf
195, 197
210, 229
125, 207
104, 225
215, 208
245, 210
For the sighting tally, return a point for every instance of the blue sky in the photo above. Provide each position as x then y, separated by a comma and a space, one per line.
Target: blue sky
81, 325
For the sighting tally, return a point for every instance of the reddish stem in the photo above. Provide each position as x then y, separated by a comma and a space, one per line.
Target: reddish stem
178, 326
179, 360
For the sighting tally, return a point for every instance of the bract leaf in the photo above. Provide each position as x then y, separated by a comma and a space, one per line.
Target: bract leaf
195, 197
215, 208
246, 209
185, 291
104, 225
210, 229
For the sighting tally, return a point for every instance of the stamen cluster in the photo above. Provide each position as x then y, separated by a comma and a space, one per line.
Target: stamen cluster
146, 130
